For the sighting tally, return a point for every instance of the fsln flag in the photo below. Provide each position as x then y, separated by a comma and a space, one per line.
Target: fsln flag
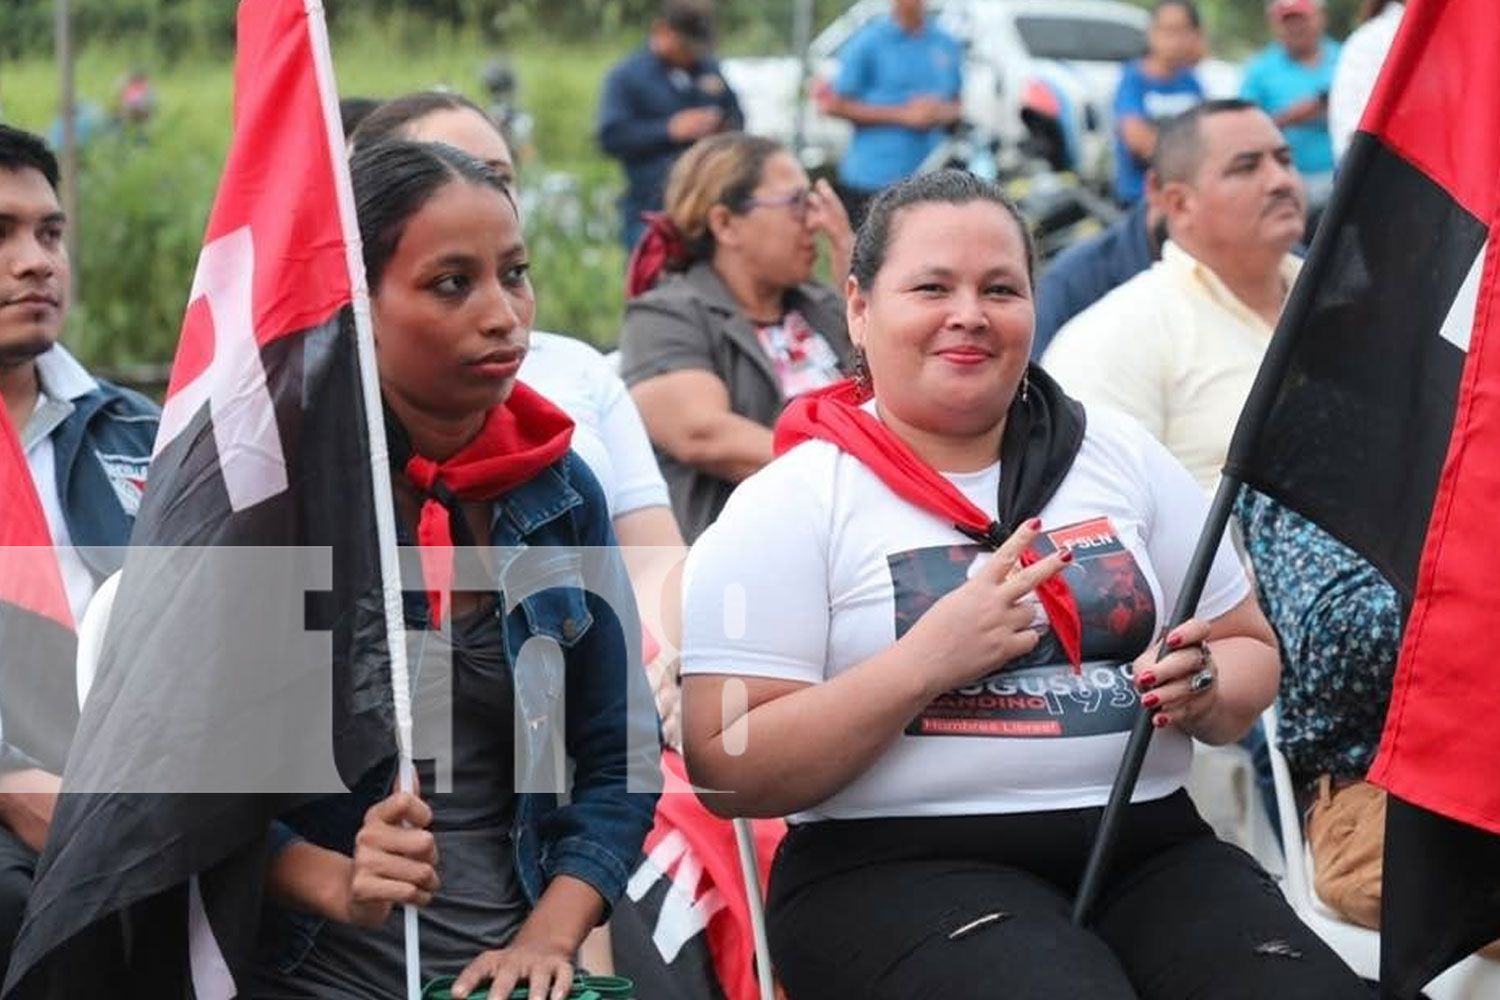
37, 643
1377, 415
245, 667
683, 929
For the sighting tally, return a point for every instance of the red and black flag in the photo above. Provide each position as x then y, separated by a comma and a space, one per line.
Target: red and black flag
1377, 415
245, 666
683, 930
38, 693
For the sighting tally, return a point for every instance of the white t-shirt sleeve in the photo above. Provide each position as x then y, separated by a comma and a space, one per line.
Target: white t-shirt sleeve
1176, 512
638, 479
755, 592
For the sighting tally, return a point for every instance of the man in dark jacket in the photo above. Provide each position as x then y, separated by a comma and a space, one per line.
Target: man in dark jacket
659, 101
1082, 274
87, 444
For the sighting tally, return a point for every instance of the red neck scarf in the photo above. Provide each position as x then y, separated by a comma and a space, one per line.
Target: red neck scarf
520, 438
833, 414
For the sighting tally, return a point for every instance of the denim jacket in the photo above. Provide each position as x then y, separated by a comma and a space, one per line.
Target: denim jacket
101, 444
570, 628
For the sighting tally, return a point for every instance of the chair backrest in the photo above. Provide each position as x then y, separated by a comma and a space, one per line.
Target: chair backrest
1474, 978
1298, 890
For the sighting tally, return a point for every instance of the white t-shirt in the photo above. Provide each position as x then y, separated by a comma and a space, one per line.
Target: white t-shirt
608, 434
1360, 60
815, 566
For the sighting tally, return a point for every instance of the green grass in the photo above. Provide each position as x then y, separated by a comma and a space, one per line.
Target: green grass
144, 199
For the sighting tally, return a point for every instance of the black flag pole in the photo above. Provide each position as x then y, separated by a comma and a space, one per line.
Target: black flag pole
1263, 395
1140, 734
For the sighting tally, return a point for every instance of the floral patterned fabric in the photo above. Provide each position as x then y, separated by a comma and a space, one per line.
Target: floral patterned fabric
1339, 623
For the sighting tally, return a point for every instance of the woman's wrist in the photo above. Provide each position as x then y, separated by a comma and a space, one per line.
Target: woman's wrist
1235, 701
568, 910
314, 880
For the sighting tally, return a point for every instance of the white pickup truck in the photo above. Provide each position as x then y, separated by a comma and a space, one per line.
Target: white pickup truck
1063, 54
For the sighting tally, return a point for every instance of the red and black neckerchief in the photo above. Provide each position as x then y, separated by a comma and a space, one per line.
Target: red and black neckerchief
520, 438
1043, 432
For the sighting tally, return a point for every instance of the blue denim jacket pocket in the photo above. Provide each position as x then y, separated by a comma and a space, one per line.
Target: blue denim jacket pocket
548, 583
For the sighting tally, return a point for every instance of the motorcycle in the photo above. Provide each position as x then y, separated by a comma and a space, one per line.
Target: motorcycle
1039, 173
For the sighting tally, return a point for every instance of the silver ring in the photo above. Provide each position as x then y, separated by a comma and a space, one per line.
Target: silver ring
1202, 680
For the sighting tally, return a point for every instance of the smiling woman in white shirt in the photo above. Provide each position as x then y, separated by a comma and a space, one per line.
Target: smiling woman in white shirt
923, 632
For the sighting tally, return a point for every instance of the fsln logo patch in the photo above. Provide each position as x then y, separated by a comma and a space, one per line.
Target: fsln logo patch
127, 474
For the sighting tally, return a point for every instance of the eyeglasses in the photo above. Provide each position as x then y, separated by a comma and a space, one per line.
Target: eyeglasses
798, 202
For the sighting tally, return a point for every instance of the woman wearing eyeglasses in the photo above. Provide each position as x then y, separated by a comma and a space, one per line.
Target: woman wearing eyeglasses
726, 323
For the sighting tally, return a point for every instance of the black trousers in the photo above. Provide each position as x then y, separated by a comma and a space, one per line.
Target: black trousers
17, 869
979, 907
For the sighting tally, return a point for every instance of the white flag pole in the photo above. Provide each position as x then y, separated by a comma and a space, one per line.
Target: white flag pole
380, 470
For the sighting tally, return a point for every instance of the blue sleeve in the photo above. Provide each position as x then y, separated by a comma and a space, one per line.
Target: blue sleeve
1250, 87
854, 69
282, 837
1058, 299
1130, 96
1332, 51
955, 85
621, 130
1049, 313
612, 735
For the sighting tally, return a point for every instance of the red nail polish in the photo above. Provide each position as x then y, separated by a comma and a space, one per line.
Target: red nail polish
1067, 555
1174, 640
1161, 721
1151, 700
1035, 524
1145, 679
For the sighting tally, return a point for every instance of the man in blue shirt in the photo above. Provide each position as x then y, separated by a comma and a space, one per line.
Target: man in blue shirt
899, 81
1154, 88
1290, 80
659, 101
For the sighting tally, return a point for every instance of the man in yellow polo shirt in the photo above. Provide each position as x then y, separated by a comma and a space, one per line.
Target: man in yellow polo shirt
1177, 346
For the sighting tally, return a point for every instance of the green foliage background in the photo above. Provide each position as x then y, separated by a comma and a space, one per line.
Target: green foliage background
144, 196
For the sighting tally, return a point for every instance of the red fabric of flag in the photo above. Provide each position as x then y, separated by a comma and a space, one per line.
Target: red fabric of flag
278, 181
1439, 104
29, 574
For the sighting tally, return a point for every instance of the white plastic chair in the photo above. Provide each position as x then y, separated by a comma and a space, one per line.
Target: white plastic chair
1474, 978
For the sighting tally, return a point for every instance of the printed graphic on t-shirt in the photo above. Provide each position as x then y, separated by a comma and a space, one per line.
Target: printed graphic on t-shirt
802, 357
1039, 695
1161, 105
127, 475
